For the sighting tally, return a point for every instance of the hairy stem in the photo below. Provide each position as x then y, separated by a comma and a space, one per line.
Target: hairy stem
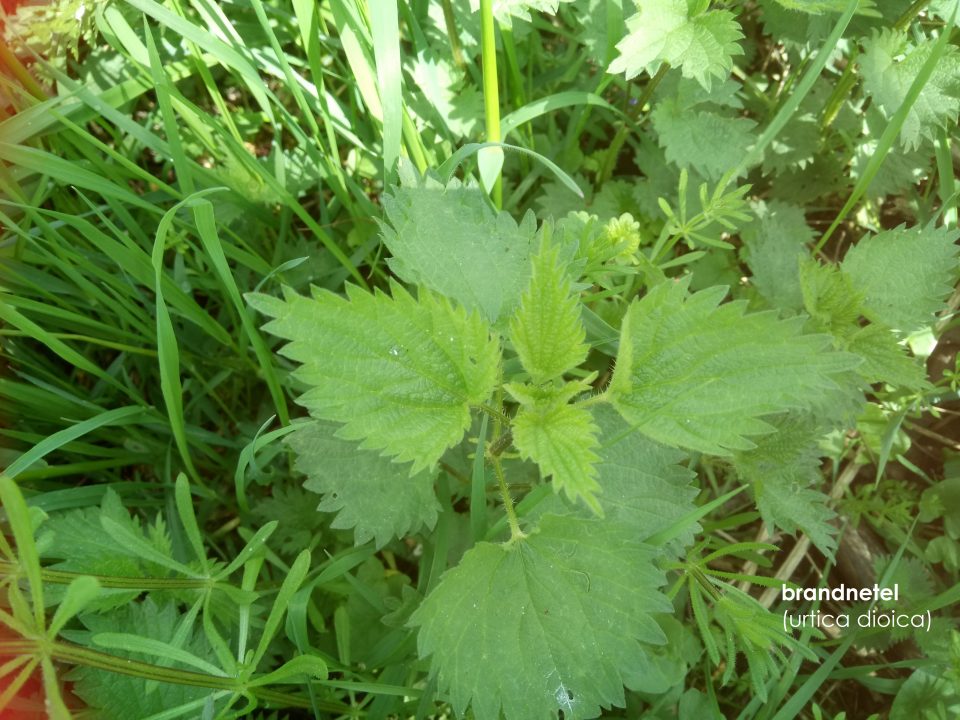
497, 415
515, 532
500, 444
909, 14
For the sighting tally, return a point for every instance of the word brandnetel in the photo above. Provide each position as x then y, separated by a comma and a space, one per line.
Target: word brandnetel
842, 593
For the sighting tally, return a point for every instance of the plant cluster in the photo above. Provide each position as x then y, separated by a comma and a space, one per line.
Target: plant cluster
477, 358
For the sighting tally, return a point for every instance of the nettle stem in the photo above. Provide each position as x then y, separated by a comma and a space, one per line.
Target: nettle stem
515, 532
903, 22
497, 415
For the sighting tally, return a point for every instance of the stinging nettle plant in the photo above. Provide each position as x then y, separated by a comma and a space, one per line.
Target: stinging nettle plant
482, 351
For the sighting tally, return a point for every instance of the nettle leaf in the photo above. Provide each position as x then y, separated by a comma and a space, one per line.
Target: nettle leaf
561, 438
451, 240
379, 588
828, 173
547, 331
905, 274
548, 623
688, 94
660, 178
77, 541
884, 360
887, 78
773, 243
782, 470
830, 297
901, 170
440, 86
794, 507
504, 10
702, 46
599, 20
119, 697
400, 373
835, 306
295, 512
709, 142
943, 9
697, 374
795, 146
788, 24
378, 498
665, 667
642, 484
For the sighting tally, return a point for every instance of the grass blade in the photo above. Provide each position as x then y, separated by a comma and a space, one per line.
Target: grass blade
453, 162
188, 519
207, 229
160, 81
385, 27
168, 353
536, 108
118, 416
